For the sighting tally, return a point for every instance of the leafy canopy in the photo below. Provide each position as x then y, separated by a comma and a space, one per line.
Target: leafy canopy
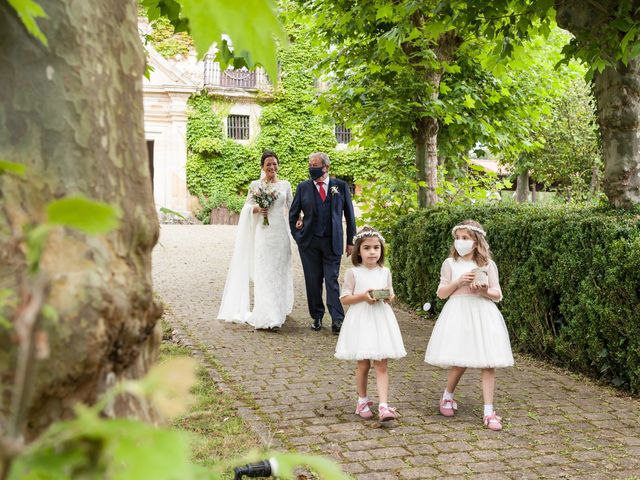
252, 27
604, 32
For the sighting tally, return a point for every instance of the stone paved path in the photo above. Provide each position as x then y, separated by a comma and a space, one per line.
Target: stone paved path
557, 425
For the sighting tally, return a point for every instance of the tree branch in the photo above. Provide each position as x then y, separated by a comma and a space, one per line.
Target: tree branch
26, 323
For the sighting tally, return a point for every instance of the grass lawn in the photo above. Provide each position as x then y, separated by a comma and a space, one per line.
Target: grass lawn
221, 434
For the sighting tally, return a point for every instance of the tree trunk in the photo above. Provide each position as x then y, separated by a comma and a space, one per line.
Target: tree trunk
522, 187
426, 140
594, 186
617, 93
534, 193
425, 136
72, 114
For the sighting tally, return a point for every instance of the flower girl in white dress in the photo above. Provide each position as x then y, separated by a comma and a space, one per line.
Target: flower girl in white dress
470, 331
370, 330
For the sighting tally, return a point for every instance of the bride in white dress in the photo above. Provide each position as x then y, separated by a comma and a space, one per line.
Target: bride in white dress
262, 253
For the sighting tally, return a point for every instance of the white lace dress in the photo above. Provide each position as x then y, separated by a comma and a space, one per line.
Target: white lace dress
262, 253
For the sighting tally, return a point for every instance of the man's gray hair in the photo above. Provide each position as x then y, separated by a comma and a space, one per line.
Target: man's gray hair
322, 156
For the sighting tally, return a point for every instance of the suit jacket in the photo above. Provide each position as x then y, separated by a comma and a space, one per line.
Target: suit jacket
304, 201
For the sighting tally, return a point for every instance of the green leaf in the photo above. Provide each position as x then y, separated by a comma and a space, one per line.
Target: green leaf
50, 313
11, 167
169, 9
252, 26
148, 70
451, 68
635, 50
7, 298
384, 11
28, 11
434, 29
36, 238
144, 451
325, 468
86, 215
630, 35
119, 449
168, 211
622, 24
477, 168
600, 64
469, 102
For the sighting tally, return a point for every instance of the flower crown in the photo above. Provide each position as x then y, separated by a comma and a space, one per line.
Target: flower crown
368, 233
468, 227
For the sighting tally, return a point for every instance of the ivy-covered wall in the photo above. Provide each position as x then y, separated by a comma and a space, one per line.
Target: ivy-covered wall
217, 167
166, 42
219, 170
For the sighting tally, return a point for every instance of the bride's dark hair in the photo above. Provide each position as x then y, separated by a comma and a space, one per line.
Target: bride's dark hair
266, 154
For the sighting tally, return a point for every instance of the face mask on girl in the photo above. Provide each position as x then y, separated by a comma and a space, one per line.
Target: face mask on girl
463, 247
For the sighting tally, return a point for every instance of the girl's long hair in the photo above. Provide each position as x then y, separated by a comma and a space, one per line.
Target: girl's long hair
482, 252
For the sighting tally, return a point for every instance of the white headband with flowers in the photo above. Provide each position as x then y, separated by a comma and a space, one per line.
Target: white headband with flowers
468, 227
368, 233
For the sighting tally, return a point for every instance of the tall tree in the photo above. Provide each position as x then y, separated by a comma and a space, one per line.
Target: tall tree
386, 64
71, 112
607, 38
406, 70
607, 35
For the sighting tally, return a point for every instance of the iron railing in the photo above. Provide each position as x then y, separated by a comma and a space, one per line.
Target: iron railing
241, 78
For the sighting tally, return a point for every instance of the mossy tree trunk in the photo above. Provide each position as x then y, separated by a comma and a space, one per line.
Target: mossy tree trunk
617, 93
425, 132
72, 113
426, 141
522, 187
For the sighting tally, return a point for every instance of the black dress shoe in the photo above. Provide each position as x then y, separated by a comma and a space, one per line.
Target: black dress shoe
335, 329
317, 324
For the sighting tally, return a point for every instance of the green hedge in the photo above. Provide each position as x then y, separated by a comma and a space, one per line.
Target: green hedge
570, 278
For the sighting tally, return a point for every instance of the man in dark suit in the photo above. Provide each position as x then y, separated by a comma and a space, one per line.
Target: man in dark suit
324, 202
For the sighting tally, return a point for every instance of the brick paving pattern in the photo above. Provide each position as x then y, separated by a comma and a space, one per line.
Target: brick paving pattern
556, 424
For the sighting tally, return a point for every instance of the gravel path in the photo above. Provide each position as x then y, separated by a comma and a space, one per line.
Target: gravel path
557, 425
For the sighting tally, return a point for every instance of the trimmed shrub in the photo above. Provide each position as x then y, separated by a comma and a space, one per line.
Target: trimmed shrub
570, 279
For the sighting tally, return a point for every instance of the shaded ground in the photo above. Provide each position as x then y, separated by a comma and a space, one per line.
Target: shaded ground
298, 396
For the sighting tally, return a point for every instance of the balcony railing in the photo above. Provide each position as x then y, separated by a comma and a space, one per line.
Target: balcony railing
241, 78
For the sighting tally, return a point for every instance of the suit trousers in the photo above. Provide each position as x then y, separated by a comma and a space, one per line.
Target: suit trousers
319, 262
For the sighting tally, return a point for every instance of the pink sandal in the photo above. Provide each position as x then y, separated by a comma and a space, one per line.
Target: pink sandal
448, 407
363, 410
387, 413
493, 422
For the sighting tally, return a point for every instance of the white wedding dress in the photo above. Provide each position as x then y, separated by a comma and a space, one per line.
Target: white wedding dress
262, 253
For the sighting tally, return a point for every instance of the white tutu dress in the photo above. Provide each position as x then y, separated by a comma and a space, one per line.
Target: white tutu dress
470, 331
369, 331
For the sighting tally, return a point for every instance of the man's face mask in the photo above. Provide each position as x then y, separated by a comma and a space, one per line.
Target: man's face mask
316, 172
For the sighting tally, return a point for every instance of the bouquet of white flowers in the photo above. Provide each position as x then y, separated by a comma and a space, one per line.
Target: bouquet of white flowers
264, 196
